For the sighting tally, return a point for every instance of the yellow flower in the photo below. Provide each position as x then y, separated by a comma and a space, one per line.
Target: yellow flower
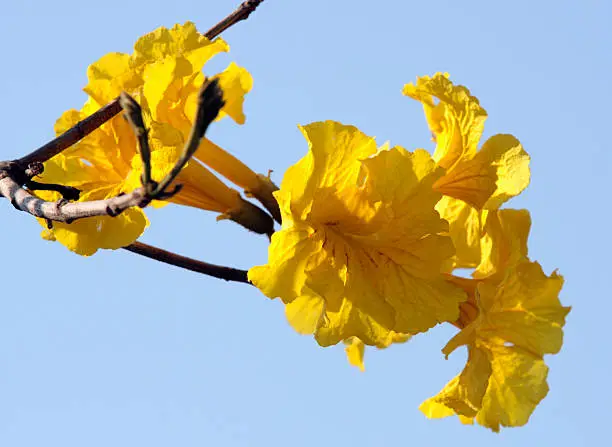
171, 94
181, 46
106, 162
512, 317
360, 250
474, 179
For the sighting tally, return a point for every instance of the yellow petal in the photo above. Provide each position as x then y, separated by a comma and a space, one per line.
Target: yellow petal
333, 160
179, 40
355, 348
163, 85
511, 162
524, 309
109, 76
465, 229
227, 165
457, 121
470, 180
86, 236
285, 273
235, 82
499, 386
360, 232
355, 351
520, 318
499, 171
304, 313
504, 242
517, 385
463, 395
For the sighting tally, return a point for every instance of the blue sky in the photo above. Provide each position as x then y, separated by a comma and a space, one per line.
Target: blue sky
120, 350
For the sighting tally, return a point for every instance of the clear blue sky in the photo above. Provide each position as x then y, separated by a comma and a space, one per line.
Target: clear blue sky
119, 350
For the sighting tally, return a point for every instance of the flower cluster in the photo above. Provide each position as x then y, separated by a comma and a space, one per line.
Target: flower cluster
372, 236
164, 74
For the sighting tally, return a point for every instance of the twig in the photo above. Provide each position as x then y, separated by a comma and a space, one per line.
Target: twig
67, 192
210, 103
101, 116
72, 135
64, 211
217, 271
241, 13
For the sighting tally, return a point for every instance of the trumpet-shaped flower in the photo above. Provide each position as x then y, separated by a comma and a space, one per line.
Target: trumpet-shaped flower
171, 93
107, 163
474, 179
360, 250
512, 317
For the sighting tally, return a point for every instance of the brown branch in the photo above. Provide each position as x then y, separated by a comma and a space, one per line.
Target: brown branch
241, 13
64, 211
72, 135
101, 116
217, 271
210, 103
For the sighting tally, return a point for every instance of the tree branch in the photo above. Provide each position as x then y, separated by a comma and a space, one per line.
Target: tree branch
72, 135
241, 13
210, 103
101, 116
217, 271
64, 211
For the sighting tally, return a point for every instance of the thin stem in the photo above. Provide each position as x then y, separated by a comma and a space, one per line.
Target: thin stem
217, 271
210, 103
241, 13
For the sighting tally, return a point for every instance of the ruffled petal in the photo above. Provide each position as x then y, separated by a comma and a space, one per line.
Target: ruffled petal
456, 121
368, 236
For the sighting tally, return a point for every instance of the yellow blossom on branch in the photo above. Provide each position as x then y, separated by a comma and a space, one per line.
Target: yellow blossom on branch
171, 94
107, 163
474, 179
360, 250
512, 317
